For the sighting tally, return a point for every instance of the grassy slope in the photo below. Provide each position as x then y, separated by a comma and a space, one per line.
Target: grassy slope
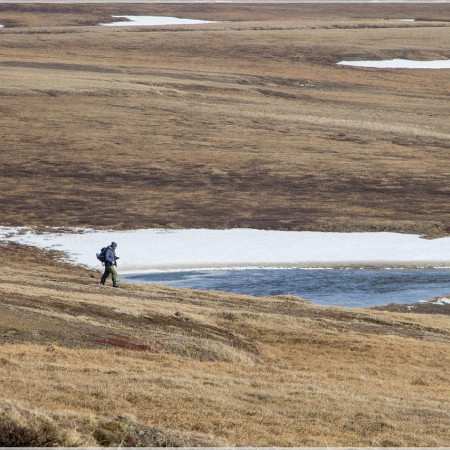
153, 365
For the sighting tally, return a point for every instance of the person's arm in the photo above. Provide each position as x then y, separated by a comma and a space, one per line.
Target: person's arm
109, 256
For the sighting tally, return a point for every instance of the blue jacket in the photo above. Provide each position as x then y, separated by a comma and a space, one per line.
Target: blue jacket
110, 257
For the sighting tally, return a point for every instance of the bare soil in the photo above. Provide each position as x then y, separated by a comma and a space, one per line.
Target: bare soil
245, 123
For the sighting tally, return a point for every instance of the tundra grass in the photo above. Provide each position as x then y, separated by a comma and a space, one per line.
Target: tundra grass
245, 123
84, 364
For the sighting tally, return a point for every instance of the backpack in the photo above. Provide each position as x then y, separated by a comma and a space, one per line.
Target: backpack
102, 254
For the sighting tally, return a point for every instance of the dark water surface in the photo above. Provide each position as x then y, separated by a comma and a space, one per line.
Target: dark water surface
340, 287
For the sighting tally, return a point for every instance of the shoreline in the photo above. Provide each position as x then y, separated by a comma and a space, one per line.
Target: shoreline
269, 266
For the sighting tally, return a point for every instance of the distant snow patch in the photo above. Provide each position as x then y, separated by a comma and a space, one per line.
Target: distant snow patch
439, 302
442, 301
400, 64
152, 21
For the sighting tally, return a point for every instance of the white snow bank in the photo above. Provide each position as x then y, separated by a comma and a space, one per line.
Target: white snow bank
400, 64
442, 301
156, 249
152, 20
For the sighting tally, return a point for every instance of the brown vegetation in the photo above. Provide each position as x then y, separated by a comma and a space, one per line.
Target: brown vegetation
245, 123
249, 122
84, 364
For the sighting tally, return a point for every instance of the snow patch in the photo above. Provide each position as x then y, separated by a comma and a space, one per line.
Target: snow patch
442, 301
156, 249
152, 21
399, 64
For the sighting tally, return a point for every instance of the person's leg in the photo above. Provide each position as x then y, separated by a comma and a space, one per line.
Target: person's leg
113, 272
105, 275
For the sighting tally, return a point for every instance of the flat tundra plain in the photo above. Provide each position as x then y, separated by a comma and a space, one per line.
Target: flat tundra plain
248, 122
245, 123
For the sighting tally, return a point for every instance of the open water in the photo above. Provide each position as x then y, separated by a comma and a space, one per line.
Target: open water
340, 287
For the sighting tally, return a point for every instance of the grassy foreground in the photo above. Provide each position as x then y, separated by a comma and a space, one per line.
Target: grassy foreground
83, 364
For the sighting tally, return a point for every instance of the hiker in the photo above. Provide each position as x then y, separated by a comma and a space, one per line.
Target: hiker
110, 262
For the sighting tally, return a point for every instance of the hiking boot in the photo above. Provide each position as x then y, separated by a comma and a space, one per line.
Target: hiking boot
102, 282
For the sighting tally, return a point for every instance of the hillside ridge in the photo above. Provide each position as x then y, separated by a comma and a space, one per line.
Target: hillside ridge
152, 364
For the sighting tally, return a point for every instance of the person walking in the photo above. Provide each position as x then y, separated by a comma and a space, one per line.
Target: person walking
110, 264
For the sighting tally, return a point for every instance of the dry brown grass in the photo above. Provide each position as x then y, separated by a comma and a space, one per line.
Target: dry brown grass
83, 364
243, 123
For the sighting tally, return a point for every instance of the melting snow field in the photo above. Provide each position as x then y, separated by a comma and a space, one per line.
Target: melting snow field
156, 249
441, 301
152, 20
399, 64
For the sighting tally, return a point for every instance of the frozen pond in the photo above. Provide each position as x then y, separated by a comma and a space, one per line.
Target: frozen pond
157, 249
399, 64
352, 269
152, 21
338, 287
